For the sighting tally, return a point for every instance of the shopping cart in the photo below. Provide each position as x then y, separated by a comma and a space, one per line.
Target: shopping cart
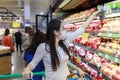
7, 76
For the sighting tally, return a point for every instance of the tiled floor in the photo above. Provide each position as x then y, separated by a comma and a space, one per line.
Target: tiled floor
18, 63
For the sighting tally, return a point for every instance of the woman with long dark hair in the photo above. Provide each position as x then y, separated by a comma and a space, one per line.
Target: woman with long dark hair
54, 52
38, 38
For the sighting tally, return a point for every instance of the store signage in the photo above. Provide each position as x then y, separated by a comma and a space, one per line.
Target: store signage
15, 24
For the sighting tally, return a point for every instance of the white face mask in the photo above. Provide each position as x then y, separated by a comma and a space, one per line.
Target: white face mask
63, 34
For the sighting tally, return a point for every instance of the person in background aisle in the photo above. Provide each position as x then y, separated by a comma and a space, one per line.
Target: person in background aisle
38, 38
54, 52
30, 35
18, 40
25, 40
7, 40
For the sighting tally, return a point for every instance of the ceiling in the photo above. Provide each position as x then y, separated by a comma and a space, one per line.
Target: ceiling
36, 7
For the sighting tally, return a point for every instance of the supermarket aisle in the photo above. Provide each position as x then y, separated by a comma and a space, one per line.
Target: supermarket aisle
18, 63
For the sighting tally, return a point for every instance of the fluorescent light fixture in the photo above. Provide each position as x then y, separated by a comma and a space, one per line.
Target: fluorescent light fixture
22, 8
41, 13
64, 3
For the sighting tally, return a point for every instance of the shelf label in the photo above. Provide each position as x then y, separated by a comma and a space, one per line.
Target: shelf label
116, 60
110, 35
85, 35
100, 74
107, 56
78, 59
99, 34
100, 53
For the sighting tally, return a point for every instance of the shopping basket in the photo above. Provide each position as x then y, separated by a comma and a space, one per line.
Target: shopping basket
6, 76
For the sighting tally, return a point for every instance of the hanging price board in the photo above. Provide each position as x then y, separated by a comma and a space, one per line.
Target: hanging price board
116, 60
106, 56
85, 35
78, 59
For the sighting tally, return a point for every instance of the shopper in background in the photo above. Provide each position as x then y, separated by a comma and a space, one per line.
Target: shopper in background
18, 40
25, 40
30, 35
37, 39
7, 40
54, 52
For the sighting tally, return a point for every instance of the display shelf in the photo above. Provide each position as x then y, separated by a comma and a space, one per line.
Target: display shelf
75, 21
104, 55
88, 75
93, 67
86, 48
111, 58
5, 54
109, 35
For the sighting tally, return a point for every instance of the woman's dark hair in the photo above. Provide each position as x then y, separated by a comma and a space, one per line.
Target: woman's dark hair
50, 40
7, 32
38, 37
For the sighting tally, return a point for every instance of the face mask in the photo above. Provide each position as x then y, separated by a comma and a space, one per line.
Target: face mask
63, 34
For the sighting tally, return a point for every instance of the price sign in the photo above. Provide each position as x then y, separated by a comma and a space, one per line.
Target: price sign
85, 35
110, 35
100, 74
100, 54
116, 60
78, 59
99, 34
106, 56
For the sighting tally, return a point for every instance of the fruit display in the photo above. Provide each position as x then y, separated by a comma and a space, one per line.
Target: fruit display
80, 15
109, 24
97, 50
92, 42
110, 48
94, 27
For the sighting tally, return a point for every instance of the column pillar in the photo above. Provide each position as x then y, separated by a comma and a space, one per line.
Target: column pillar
27, 15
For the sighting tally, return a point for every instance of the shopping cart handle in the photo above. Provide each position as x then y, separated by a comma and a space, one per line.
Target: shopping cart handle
20, 75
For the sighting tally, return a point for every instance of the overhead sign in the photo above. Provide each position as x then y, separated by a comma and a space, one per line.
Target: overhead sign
15, 24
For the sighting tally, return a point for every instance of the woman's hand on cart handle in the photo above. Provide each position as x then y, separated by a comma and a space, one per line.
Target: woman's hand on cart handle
27, 72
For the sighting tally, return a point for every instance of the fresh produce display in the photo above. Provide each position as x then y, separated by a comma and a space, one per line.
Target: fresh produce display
92, 42
97, 51
110, 48
108, 68
80, 15
112, 26
94, 27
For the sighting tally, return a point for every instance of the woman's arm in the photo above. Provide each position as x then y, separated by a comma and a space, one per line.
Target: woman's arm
39, 55
79, 31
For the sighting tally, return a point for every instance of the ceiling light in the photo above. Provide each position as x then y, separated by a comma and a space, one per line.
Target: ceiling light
41, 13
64, 3
22, 8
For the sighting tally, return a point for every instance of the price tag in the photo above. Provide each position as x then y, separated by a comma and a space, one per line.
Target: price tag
110, 35
85, 35
106, 56
78, 59
100, 54
87, 63
114, 46
116, 60
100, 74
99, 34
